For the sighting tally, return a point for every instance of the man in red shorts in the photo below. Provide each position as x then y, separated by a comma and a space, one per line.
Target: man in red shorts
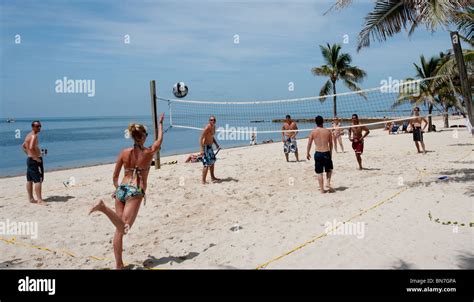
357, 138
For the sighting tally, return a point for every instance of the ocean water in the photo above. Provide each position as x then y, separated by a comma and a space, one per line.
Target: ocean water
77, 142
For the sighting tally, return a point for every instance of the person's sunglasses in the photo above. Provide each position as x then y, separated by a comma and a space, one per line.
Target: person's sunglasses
212, 120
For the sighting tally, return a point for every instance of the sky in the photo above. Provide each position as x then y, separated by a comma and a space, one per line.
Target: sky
189, 41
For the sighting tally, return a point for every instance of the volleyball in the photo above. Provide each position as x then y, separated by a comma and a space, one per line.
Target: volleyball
180, 90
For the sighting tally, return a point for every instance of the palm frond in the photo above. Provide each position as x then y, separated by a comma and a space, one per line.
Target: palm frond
354, 73
437, 13
386, 19
389, 17
325, 90
326, 52
354, 87
464, 21
338, 5
323, 70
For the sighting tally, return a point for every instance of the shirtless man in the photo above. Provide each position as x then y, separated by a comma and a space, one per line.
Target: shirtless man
322, 157
417, 131
357, 138
207, 153
289, 138
34, 163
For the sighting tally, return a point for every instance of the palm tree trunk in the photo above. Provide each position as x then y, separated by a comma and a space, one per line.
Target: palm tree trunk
334, 106
446, 117
430, 122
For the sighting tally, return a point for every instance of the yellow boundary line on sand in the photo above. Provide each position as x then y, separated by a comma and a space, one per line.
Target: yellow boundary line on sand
324, 234
71, 254
62, 251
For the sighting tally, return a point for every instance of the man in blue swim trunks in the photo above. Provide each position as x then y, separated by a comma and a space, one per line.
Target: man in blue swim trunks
288, 137
323, 156
207, 153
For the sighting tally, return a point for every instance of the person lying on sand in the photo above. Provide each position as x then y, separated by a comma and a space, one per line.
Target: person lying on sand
194, 158
130, 193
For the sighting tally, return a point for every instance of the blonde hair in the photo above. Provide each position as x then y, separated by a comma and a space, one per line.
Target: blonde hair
136, 131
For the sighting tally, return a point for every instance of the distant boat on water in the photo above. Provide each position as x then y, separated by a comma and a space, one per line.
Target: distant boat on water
10, 120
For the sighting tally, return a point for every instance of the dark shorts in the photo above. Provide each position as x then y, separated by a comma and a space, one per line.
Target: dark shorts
417, 134
209, 157
34, 171
322, 162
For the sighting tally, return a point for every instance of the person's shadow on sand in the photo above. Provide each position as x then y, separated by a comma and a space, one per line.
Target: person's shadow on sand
370, 169
58, 198
342, 188
153, 262
227, 179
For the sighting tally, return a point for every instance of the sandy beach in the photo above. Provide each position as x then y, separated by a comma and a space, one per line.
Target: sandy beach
265, 213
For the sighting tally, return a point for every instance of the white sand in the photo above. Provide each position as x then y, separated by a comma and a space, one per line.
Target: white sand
277, 204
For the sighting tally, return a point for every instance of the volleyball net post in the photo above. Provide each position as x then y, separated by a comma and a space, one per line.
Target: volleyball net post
154, 112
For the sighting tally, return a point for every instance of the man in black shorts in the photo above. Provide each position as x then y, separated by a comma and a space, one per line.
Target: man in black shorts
322, 157
34, 163
416, 123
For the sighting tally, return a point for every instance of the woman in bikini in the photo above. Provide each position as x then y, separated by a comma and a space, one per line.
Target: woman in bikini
130, 193
337, 133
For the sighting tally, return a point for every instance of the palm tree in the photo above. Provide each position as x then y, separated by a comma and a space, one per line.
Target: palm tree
391, 16
338, 67
449, 81
465, 24
428, 90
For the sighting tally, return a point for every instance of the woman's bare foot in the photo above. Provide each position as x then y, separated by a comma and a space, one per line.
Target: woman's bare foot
215, 179
100, 206
330, 189
41, 202
32, 200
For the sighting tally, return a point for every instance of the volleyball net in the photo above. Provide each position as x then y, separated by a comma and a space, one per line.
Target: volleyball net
392, 102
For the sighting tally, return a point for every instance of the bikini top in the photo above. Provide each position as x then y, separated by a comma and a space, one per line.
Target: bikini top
136, 171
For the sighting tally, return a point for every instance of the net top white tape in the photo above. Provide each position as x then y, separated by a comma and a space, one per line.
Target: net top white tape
404, 83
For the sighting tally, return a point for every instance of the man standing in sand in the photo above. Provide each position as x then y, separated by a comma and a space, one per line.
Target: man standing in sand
207, 153
358, 138
417, 131
289, 137
34, 163
322, 157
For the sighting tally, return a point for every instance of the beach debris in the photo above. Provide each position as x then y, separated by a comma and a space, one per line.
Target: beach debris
70, 182
443, 177
449, 222
171, 162
236, 228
